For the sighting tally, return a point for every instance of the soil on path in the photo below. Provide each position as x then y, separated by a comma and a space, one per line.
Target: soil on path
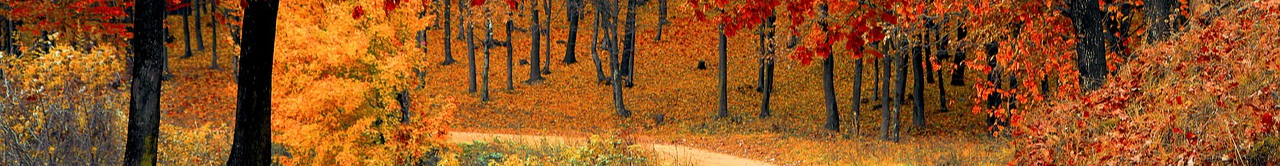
667, 154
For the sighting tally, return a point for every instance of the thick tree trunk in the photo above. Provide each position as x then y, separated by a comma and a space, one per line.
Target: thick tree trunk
535, 75
723, 75
1159, 19
829, 93
448, 40
252, 141
886, 115
957, 75
186, 30
572, 14
857, 96
918, 70
144, 103
1091, 51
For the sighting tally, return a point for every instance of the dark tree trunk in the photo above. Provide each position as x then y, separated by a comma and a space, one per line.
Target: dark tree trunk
957, 76
918, 70
595, 48
144, 103
488, 38
186, 30
252, 142
448, 40
1159, 14
403, 99
535, 75
886, 115
899, 90
510, 48
629, 43
768, 89
829, 92
662, 18
614, 55
199, 33
1091, 51
546, 36
942, 89
471, 53
723, 75
994, 99
572, 14
766, 64
857, 96
214, 60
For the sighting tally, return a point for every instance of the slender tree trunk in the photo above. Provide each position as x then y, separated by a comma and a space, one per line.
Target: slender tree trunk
535, 76
595, 48
886, 115
942, 89
957, 75
186, 30
403, 99
723, 77
857, 96
488, 38
199, 33
614, 55
899, 89
629, 43
510, 48
662, 18
829, 93
993, 99
471, 53
1091, 51
252, 141
448, 40
918, 70
546, 35
768, 89
214, 60
572, 14
144, 103
766, 64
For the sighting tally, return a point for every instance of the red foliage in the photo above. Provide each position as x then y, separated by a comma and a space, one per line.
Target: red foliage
357, 13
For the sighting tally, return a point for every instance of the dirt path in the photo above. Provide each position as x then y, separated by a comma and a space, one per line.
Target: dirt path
668, 154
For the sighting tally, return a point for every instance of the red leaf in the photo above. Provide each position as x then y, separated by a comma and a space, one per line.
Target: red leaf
513, 4
477, 2
359, 12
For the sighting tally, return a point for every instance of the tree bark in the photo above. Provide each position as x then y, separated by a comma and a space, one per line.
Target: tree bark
857, 96
629, 44
471, 52
595, 48
899, 89
199, 33
1158, 17
829, 92
186, 30
510, 48
918, 70
723, 75
546, 36
488, 37
448, 40
886, 115
957, 75
572, 14
1091, 51
144, 104
535, 75
252, 141
662, 18
214, 60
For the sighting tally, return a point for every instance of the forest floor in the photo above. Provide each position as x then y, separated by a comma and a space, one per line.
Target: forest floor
571, 103
667, 154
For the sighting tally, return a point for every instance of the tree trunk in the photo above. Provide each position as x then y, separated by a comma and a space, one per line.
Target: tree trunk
614, 55
918, 70
186, 30
857, 96
662, 18
595, 48
535, 76
829, 91
723, 75
899, 89
471, 53
144, 103
886, 115
403, 99
252, 142
629, 43
448, 40
214, 60
199, 33
546, 36
942, 89
488, 38
1090, 52
1158, 18
957, 75
768, 89
510, 48
570, 51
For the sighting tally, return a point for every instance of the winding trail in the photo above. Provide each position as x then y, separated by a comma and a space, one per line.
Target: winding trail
667, 154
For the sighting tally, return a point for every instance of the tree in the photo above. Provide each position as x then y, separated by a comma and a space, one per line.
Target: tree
917, 69
723, 75
252, 140
144, 103
186, 30
629, 43
1091, 58
448, 42
214, 60
510, 25
607, 11
573, 14
488, 36
662, 18
535, 76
